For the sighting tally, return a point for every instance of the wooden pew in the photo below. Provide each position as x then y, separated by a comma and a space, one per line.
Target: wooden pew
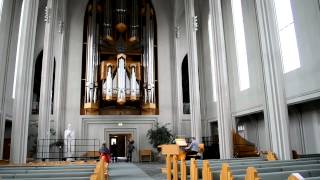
251, 174
193, 170
171, 151
100, 172
226, 173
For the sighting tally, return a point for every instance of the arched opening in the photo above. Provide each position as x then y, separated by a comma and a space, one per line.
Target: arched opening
185, 85
119, 65
33, 123
37, 84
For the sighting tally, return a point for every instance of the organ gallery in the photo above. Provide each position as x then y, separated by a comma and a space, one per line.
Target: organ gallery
119, 67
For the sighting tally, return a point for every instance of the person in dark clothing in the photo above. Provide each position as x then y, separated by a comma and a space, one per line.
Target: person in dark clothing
114, 152
130, 150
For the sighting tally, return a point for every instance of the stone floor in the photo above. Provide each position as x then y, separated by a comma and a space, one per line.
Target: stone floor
153, 169
136, 171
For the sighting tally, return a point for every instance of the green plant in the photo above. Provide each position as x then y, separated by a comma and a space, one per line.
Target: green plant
159, 135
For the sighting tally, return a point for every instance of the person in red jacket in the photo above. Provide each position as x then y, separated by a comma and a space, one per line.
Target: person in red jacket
104, 153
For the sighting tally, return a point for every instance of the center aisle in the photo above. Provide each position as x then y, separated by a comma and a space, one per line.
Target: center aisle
125, 171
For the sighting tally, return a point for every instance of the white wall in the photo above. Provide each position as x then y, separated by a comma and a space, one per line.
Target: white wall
208, 103
75, 20
303, 83
165, 32
305, 127
249, 100
256, 132
76, 9
100, 127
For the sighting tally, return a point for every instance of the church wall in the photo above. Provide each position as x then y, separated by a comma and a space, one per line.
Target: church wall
75, 20
165, 45
304, 122
249, 100
184, 120
101, 128
255, 132
208, 104
76, 11
303, 83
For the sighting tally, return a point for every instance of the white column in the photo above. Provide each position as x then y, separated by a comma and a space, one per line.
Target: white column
221, 75
24, 76
276, 104
46, 78
61, 67
6, 22
191, 29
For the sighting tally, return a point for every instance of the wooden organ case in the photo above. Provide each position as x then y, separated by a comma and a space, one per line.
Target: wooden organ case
119, 69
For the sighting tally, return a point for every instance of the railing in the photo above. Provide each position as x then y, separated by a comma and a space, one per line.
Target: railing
72, 149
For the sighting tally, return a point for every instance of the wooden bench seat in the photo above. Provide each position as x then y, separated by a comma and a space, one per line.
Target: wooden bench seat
283, 175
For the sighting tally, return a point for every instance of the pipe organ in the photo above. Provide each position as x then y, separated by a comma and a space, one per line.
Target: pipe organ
120, 62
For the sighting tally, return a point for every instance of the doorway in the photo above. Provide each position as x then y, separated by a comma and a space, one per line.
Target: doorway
7, 140
121, 142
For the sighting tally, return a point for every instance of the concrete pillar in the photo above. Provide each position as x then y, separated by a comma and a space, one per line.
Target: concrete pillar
191, 30
46, 79
221, 74
6, 22
24, 76
61, 68
276, 104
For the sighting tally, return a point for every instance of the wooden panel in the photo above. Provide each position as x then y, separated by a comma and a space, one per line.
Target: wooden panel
170, 149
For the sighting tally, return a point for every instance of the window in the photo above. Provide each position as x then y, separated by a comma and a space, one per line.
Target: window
287, 33
213, 70
241, 49
185, 85
1, 5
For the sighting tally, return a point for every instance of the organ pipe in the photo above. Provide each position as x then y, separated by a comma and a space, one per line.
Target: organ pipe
121, 71
107, 22
134, 27
121, 11
107, 83
92, 61
133, 83
149, 69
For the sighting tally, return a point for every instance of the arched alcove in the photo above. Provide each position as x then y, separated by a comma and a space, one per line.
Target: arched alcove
185, 85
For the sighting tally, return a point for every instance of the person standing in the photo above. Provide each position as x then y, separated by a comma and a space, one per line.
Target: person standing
104, 153
114, 152
130, 150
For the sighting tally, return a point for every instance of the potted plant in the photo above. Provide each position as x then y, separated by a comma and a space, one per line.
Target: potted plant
159, 135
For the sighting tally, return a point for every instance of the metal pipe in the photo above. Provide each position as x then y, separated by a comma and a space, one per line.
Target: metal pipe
92, 59
149, 86
121, 98
107, 24
133, 83
134, 27
109, 83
